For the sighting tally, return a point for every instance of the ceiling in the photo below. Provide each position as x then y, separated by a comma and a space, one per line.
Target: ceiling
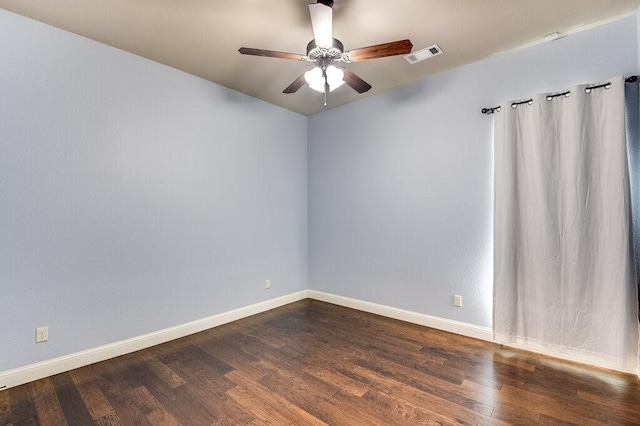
202, 37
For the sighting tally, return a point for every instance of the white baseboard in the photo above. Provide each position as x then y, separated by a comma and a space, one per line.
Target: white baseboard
29, 373
457, 327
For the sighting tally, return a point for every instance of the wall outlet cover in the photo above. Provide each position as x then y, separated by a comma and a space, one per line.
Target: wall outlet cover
457, 301
42, 334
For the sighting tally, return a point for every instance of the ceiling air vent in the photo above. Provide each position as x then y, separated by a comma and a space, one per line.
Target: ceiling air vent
423, 54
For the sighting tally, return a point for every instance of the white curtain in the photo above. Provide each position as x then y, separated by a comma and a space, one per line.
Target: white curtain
564, 271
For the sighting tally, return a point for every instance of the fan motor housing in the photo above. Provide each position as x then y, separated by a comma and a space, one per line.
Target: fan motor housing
331, 54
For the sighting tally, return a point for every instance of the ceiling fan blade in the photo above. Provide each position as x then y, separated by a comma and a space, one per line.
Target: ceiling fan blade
270, 53
400, 47
297, 83
321, 20
356, 83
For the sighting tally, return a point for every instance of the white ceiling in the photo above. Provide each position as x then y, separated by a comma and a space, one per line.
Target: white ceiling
202, 37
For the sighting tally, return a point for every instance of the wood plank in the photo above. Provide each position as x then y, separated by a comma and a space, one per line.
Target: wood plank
108, 420
22, 405
152, 408
237, 358
346, 384
47, 405
5, 407
164, 373
515, 361
318, 404
144, 376
208, 388
116, 386
448, 409
258, 408
392, 412
71, 402
211, 361
93, 397
187, 409
549, 420
248, 390
189, 367
585, 415
620, 408
429, 384
405, 410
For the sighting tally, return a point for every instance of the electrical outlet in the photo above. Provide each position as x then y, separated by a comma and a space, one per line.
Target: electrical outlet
42, 334
457, 301
267, 284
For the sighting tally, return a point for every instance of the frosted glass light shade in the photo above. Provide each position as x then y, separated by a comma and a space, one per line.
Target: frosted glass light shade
315, 80
334, 77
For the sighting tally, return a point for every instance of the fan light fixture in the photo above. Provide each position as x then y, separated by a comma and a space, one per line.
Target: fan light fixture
324, 52
315, 79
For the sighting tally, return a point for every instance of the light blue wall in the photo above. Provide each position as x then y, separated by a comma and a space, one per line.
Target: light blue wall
400, 184
135, 197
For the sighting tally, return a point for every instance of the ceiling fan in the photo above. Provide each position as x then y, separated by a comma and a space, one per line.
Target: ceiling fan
325, 52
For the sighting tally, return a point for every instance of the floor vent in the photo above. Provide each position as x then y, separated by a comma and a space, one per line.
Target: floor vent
423, 54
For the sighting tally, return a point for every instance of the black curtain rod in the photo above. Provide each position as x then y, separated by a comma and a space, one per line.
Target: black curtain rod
488, 111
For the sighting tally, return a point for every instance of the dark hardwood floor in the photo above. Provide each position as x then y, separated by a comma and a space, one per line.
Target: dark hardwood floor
313, 363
